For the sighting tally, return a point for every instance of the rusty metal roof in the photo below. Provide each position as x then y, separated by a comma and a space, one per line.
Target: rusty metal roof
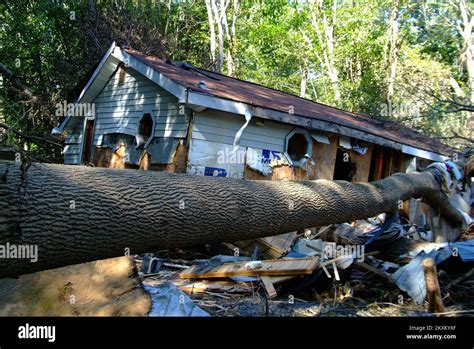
233, 89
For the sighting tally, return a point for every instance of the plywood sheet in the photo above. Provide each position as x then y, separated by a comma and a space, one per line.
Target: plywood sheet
362, 165
324, 156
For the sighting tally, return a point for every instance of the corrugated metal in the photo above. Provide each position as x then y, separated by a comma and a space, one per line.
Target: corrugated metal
410, 278
221, 127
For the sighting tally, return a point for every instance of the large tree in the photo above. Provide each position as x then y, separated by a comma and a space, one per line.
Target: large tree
79, 214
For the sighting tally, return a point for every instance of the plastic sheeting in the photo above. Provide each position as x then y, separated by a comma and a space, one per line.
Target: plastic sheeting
465, 250
411, 277
168, 300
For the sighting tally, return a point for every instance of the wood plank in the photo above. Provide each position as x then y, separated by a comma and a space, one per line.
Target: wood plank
388, 166
216, 286
399, 162
374, 270
362, 165
271, 247
290, 266
279, 279
269, 288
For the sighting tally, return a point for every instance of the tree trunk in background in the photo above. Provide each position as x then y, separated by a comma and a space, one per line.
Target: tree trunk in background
392, 52
230, 35
219, 12
78, 214
326, 39
465, 29
304, 80
15, 81
212, 32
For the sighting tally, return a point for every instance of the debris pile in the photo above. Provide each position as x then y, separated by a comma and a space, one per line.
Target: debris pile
303, 273
392, 264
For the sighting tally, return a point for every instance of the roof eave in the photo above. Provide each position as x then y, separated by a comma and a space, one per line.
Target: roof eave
213, 102
86, 88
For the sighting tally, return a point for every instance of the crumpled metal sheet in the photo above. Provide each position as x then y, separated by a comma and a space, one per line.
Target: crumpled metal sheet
168, 300
411, 277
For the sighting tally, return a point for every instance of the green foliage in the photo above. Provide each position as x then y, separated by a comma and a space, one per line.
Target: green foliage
52, 45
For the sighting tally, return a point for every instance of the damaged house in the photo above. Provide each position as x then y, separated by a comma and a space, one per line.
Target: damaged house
156, 114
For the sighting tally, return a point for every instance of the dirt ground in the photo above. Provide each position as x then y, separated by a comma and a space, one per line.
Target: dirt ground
102, 288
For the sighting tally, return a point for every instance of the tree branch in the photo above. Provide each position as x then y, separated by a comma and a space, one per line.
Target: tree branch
10, 76
29, 137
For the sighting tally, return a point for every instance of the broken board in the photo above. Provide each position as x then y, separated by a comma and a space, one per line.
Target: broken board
202, 286
279, 244
269, 288
270, 247
290, 266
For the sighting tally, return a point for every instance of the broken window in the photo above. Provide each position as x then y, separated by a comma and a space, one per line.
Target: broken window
113, 139
145, 128
299, 146
345, 168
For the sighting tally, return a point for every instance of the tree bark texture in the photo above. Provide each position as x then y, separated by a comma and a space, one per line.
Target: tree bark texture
77, 214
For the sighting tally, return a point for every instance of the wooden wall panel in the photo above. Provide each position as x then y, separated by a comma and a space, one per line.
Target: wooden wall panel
362, 165
324, 156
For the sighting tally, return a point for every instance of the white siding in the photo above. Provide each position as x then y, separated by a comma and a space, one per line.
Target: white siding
214, 159
123, 101
73, 141
221, 127
119, 107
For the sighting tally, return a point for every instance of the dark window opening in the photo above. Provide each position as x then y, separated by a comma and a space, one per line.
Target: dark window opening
297, 146
376, 164
344, 169
384, 163
89, 135
146, 126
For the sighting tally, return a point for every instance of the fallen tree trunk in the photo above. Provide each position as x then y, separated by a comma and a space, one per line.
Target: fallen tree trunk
79, 214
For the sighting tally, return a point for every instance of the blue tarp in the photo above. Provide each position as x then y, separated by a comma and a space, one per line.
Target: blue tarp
465, 249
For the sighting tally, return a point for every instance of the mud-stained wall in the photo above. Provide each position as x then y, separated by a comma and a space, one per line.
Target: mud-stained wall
107, 157
177, 166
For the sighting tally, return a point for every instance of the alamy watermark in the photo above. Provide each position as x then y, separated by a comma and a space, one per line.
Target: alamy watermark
238, 155
13, 251
28, 331
332, 251
398, 109
75, 109
231, 156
